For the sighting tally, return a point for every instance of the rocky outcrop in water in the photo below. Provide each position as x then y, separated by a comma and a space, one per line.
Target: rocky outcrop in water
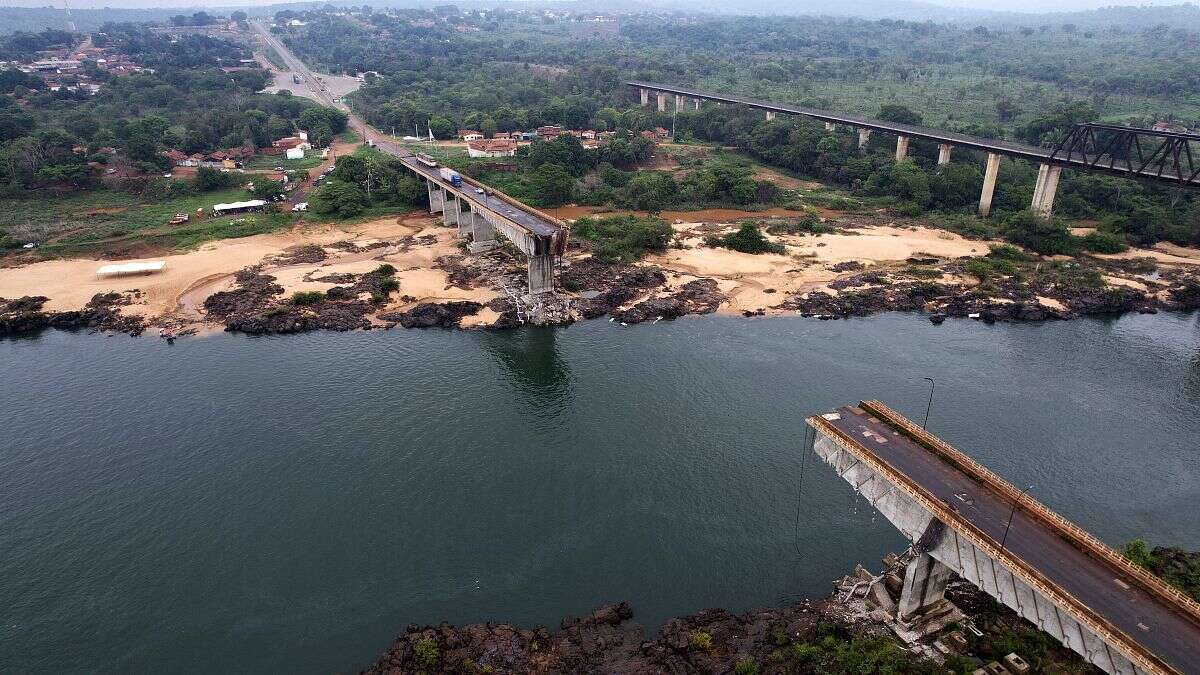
433, 314
607, 641
102, 312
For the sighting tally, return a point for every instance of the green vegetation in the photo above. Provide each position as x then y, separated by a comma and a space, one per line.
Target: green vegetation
1176, 566
748, 239
746, 666
700, 640
310, 160
427, 653
363, 180
624, 238
307, 297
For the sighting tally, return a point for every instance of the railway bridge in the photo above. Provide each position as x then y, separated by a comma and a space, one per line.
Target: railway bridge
967, 520
1144, 154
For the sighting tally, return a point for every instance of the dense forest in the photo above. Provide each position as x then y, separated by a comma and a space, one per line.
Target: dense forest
500, 72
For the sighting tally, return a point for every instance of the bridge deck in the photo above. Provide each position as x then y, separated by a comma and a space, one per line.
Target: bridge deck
1107, 590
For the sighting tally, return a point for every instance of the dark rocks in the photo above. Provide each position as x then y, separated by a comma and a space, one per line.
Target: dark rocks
102, 312
301, 255
847, 266
434, 315
701, 296
937, 319
652, 309
864, 279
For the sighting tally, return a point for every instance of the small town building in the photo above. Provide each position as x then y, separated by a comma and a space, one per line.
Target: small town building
295, 153
470, 135
495, 147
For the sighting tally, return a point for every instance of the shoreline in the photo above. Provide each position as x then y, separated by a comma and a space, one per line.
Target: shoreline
256, 285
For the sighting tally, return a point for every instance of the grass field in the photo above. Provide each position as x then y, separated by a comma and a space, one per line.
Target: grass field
106, 223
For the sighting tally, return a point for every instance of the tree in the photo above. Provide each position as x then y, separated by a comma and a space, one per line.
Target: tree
267, 189
894, 112
1006, 110
442, 127
339, 199
552, 184
648, 191
238, 15
1041, 235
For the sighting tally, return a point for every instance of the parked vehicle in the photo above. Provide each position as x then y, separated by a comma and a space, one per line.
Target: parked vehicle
179, 219
452, 176
302, 206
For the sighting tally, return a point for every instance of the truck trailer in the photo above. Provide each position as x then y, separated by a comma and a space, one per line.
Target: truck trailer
451, 175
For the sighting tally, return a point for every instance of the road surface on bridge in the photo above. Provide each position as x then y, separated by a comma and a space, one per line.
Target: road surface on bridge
535, 223
1110, 592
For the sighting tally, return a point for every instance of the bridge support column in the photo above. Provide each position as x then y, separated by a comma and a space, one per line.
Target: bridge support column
461, 218
944, 153
449, 211
662, 102
925, 582
770, 115
437, 197
697, 101
679, 103
1043, 191
901, 148
830, 126
645, 97
541, 274
989, 184
864, 135
483, 235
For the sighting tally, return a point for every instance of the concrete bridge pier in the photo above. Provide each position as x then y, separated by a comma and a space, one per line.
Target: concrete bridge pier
925, 582
1043, 191
541, 274
989, 184
944, 153
697, 102
864, 135
901, 148
645, 97
679, 102
830, 126
770, 115
662, 102
450, 213
483, 234
463, 213
437, 197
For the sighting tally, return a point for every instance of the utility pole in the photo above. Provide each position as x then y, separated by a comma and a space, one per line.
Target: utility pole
930, 404
1011, 514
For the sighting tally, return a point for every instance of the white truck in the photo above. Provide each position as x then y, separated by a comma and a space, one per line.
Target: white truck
451, 175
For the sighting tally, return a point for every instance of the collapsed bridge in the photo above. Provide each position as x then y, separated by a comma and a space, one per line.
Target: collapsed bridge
967, 520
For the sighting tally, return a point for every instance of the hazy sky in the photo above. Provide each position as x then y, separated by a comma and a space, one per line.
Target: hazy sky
1034, 6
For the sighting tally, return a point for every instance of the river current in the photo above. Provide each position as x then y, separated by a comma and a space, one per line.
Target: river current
288, 504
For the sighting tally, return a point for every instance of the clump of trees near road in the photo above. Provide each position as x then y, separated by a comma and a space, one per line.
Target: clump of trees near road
365, 179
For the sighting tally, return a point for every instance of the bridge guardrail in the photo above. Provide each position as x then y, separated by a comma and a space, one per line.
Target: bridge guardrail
1077, 535
1132, 650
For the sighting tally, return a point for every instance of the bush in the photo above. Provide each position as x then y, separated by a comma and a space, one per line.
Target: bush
307, 297
427, 653
1042, 235
1008, 252
748, 239
809, 223
624, 238
1105, 242
701, 640
384, 270
746, 666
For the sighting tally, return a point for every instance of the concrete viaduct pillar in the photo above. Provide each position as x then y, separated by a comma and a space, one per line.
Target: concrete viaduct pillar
662, 102
830, 126
437, 197
901, 148
450, 213
645, 97
864, 135
697, 101
483, 234
770, 115
541, 274
925, 582
944, 153
1043, 191
989, 184
679, 103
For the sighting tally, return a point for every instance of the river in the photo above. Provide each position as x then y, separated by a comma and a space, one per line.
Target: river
288, 504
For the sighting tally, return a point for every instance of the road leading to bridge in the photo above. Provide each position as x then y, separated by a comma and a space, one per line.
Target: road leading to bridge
1141, 609
524, 217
